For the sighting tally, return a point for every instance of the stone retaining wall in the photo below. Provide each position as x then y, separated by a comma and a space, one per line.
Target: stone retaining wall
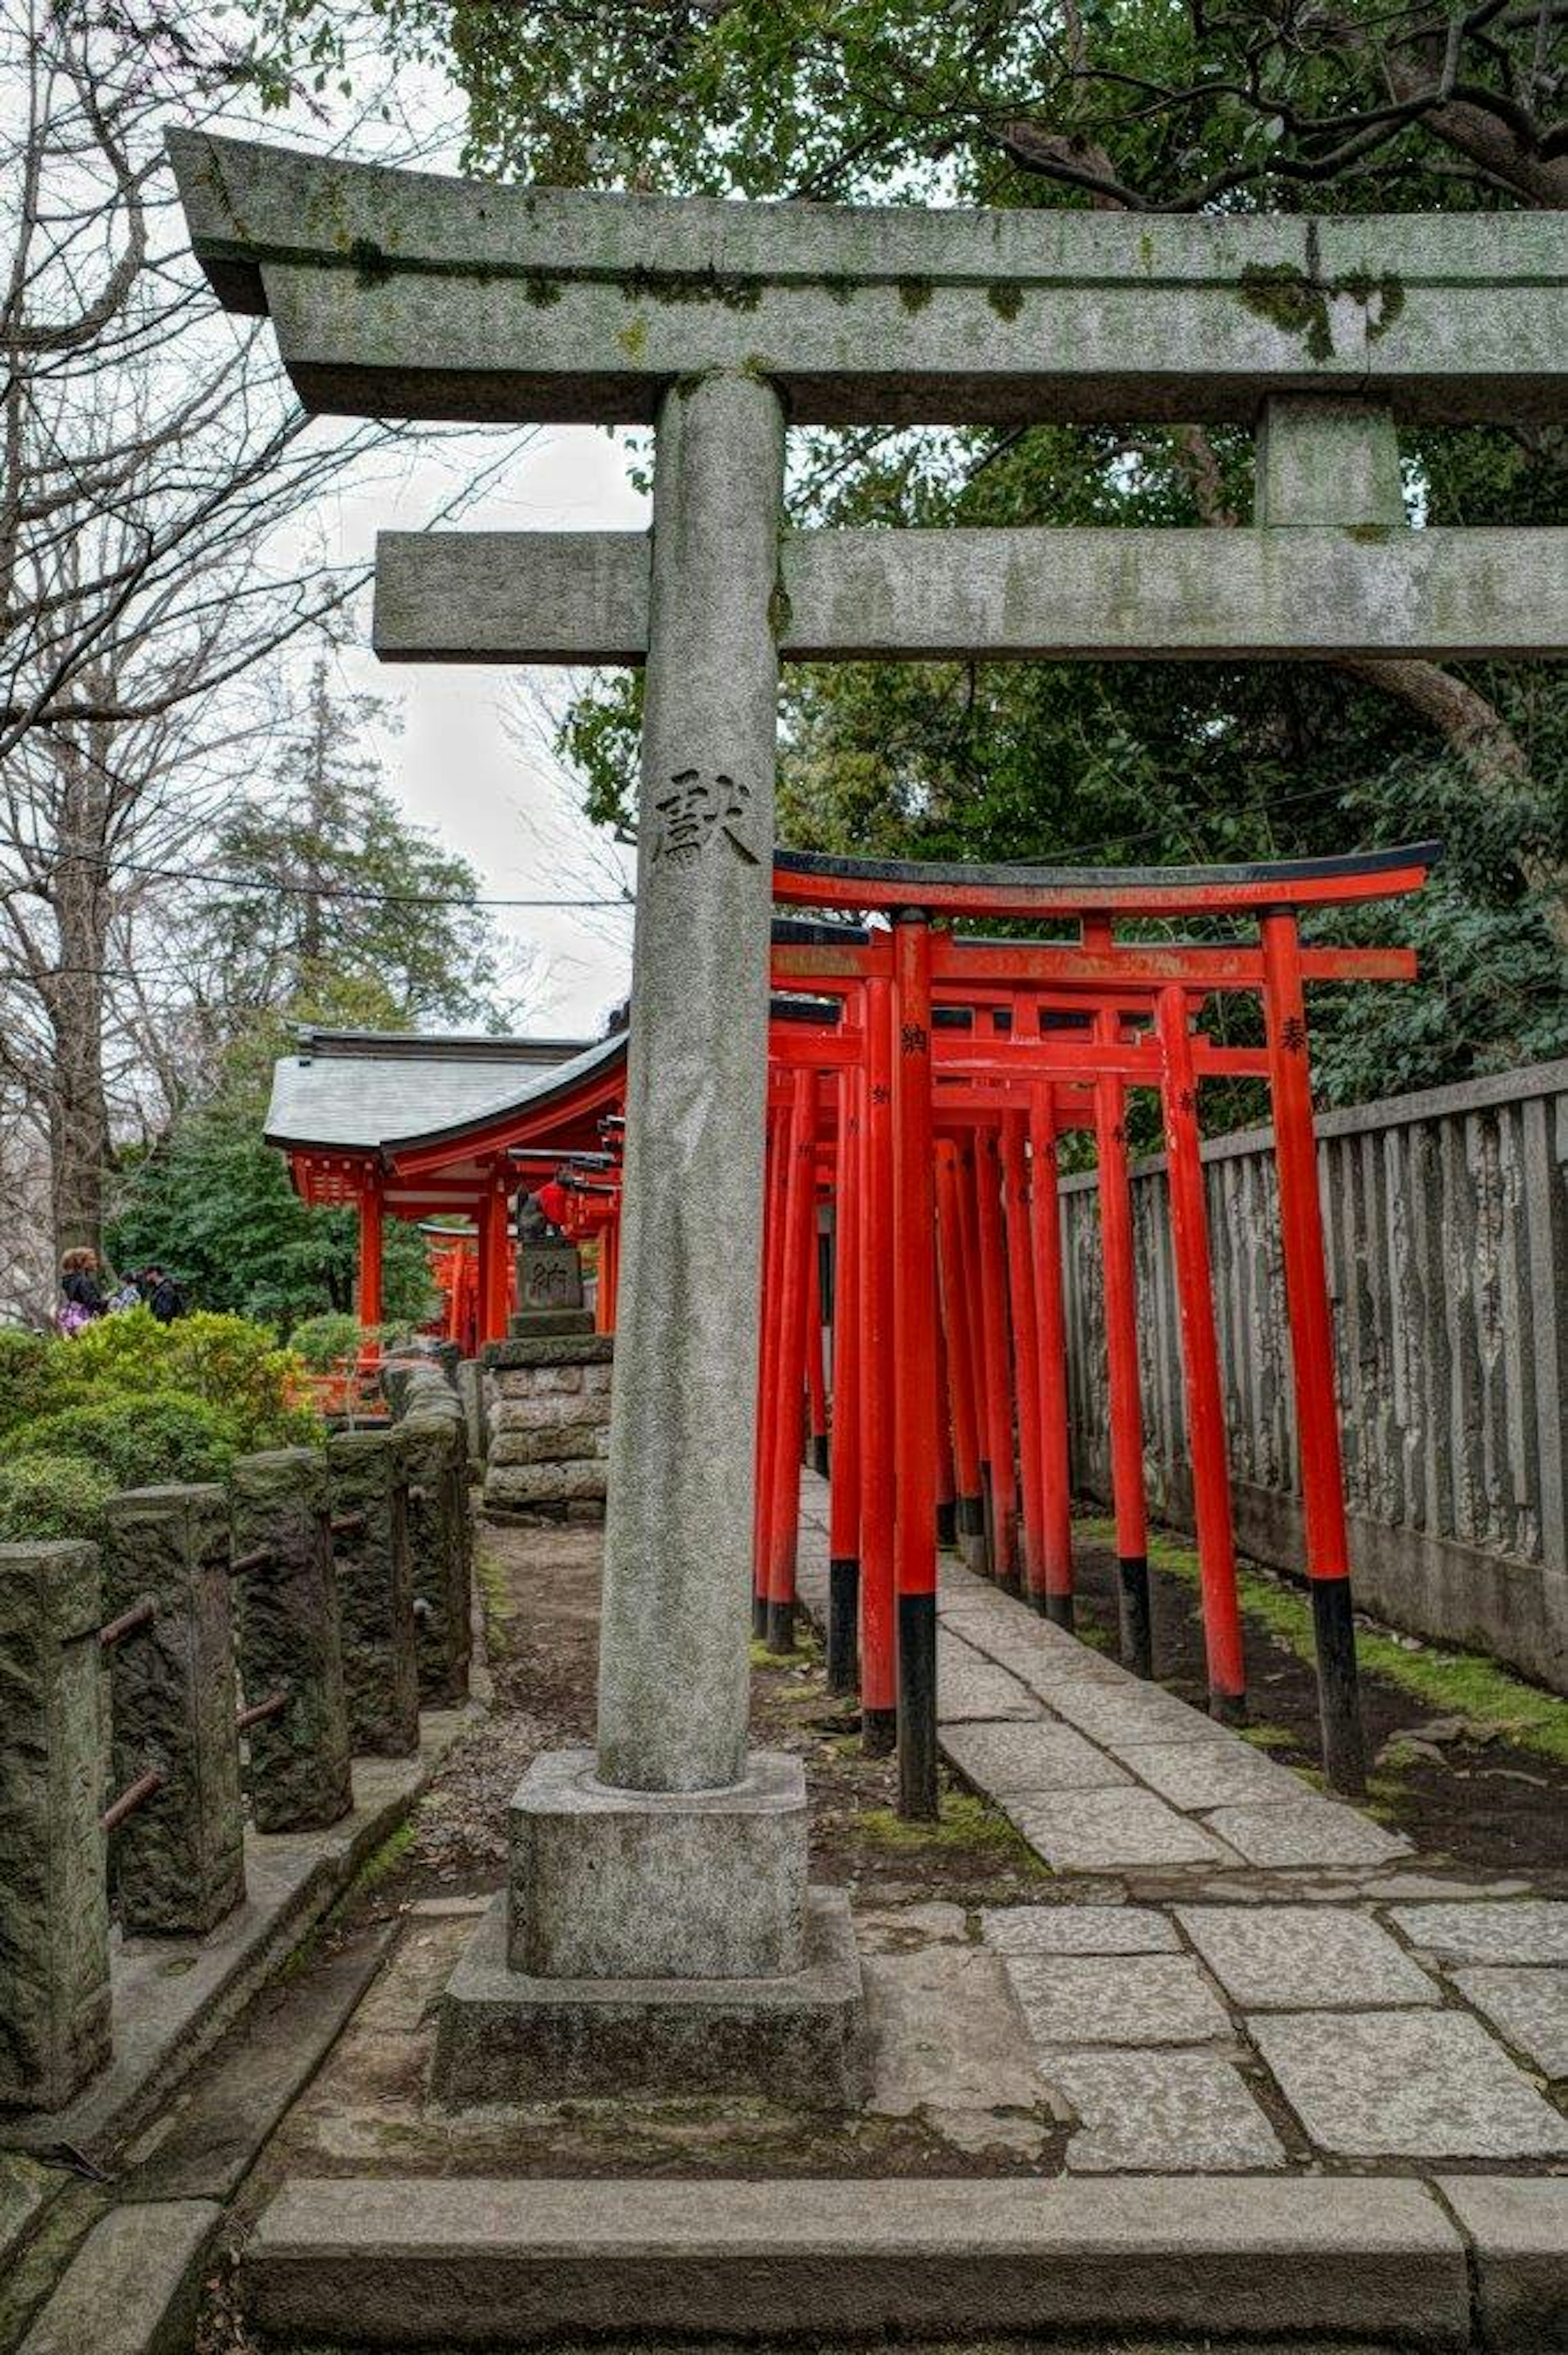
547, 1416
1447, 1225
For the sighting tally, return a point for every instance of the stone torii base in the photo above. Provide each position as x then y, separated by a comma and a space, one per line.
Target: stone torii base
652, 1942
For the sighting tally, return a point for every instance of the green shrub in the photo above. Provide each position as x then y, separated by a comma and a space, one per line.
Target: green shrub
127, 1351
53, 1497
323, 1342
32, 1375
239, 1367
141, 1442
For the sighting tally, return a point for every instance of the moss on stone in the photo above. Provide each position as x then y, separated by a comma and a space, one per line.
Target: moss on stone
914, 293
542, 292
1005, 299
370, 265
780, 612
1283, 295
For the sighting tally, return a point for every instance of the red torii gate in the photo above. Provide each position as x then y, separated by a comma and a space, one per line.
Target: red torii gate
920, 1079
955, 1063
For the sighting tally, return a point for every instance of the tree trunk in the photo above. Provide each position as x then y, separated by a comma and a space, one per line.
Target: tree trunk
1483, 739
73, 998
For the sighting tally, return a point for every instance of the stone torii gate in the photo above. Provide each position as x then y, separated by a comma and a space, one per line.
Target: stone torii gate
406, 296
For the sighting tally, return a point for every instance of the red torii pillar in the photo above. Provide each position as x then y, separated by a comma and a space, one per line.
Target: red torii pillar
495, 1277
1312, 1356
1124, 1407
1051, 1321
1201, 1362
844, 1457
914, 1367
367, 1292
878, 1663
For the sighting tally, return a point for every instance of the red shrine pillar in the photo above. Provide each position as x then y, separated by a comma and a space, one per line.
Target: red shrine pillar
496, 1283
1051, 1319
914, 1367
780, 1114
367, 1291
844, 1502
816, 1369
1026, 1349
1312, 1356
1201, 1362
966, 1169
789, 1396
878, 1672
969, 1507
994, 1342
1126, 1414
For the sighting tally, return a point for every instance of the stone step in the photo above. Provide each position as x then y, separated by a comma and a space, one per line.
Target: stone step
132, 2286
509, 2263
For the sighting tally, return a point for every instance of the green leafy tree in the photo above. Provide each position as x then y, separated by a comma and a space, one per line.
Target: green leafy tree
320, 886
215, 1205
1128, 105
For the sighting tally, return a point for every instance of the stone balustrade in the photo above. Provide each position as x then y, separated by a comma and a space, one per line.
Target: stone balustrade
219, 1653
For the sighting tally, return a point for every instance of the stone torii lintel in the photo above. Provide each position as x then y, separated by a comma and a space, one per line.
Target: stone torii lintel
407, 294
1304, 593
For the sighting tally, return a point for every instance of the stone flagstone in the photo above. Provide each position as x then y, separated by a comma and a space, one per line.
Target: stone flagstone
1126, 1717
1078, 1930
947, 2043
1529, 2007
1178, 2112
1523, 1930
1103, 1831
1428, 2085
1219, 1774
1117, 1999
1008, 1759
1303, 1958
1308, 1831
970, 1689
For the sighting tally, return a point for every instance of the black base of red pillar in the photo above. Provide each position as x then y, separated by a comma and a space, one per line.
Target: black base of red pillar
918, 1779
780, 1631
1137, 1627
946, 1522
820, 1454
1338, 1688
1227, 1708
878, 1732
1058, 1609
843, 1624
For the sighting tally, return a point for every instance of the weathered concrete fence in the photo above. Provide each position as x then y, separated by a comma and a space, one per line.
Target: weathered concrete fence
213, 1645
1447, 1223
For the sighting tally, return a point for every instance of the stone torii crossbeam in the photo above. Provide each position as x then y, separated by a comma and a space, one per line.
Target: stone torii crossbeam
400, 294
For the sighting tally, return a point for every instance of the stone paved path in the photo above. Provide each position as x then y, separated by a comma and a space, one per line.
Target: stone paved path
1233, 1973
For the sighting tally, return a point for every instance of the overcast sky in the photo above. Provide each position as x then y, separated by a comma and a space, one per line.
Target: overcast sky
471, 755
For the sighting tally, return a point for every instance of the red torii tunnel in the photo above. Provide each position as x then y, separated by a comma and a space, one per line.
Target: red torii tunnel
920, 1078
926, 1089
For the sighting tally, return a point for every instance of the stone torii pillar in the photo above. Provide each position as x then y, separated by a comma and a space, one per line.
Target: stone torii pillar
675, 1855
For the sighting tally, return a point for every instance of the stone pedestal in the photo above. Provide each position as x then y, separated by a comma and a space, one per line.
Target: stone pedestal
650, 1943
547, 1411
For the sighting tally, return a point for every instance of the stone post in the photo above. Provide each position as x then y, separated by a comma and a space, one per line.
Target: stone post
367, 1482
674, 1658
180, 1858
54, 1895
300, 1777
432, 1443
658, 1933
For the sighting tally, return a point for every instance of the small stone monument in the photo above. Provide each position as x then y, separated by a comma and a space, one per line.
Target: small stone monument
549, 1280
